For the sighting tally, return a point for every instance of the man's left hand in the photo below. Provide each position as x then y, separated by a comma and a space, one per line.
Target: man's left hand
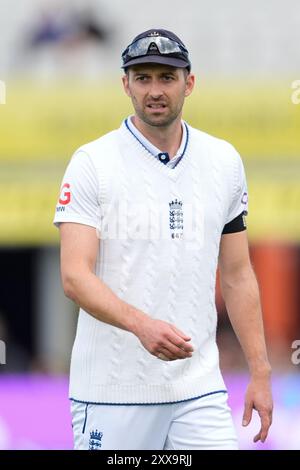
259, 397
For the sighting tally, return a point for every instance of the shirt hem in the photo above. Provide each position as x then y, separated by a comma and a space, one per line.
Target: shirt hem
76, 220
146, 393
147, 404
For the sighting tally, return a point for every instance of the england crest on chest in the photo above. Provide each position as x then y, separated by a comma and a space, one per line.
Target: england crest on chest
176, 218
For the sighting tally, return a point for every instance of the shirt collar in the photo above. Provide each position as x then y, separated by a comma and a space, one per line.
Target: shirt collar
152, 148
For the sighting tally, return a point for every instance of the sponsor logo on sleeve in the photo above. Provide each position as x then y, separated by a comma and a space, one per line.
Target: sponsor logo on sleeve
65, 195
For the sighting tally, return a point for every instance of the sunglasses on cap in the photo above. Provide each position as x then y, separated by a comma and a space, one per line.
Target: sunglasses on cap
158, 45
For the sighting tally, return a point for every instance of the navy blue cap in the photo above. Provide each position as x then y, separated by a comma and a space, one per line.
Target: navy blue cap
152, 54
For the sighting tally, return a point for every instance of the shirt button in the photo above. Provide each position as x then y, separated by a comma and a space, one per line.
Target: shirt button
163, 157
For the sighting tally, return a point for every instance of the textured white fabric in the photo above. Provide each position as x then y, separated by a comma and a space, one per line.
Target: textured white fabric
201, 424
158, 257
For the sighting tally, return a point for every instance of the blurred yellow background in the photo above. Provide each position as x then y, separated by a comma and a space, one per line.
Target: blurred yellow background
43, 124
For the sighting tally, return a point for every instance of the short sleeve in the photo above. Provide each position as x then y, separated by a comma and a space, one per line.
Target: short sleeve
239, 202
78, 200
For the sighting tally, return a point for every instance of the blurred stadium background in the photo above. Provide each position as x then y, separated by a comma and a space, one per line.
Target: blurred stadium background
59, 61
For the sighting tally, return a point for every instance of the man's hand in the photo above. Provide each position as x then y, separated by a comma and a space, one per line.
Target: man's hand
259, 398
163, 340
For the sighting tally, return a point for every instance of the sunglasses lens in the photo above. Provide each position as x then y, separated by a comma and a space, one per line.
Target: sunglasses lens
159, 45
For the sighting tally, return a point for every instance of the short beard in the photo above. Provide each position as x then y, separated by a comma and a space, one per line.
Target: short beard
164, 122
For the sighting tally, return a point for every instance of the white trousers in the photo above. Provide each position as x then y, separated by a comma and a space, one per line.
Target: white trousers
201, 423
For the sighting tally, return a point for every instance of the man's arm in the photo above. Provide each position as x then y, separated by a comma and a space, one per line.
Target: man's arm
79, 248
241, 295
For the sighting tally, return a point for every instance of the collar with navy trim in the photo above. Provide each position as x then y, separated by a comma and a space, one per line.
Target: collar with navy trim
156, 152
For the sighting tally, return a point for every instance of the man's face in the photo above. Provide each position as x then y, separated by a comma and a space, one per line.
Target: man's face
157, 92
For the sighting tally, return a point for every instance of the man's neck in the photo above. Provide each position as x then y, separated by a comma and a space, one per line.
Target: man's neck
166, 139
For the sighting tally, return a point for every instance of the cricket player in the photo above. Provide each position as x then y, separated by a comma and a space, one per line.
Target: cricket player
146, 214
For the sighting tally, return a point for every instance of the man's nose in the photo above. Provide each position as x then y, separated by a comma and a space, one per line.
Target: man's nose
155, 90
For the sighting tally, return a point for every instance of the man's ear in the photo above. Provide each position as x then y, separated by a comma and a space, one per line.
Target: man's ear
190, 83
125, 80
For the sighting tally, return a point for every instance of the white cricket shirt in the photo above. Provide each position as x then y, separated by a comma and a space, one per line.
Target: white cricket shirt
160, 230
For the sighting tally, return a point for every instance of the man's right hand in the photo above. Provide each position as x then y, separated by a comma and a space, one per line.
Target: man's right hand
79, 248
163, 340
